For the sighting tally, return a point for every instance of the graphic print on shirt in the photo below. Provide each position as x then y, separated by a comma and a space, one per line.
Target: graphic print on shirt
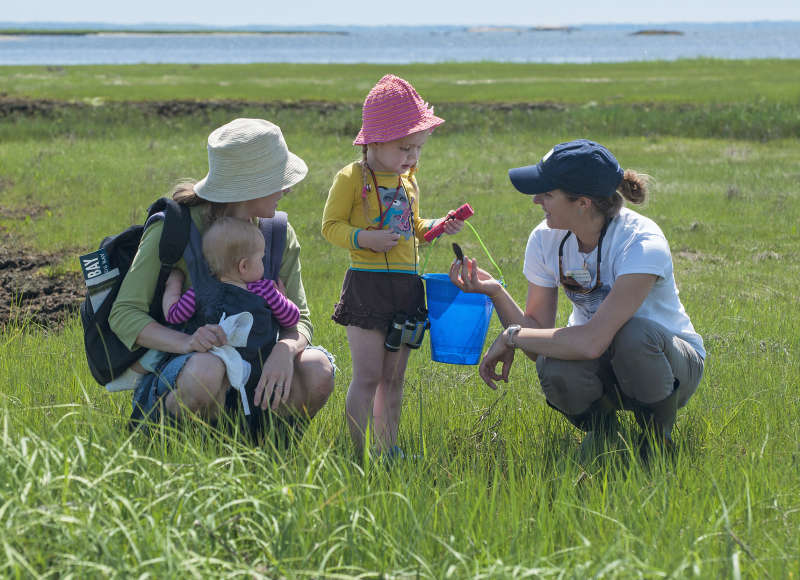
587, 304
397, 214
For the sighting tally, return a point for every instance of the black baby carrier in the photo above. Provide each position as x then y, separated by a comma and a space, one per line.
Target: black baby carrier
214, 298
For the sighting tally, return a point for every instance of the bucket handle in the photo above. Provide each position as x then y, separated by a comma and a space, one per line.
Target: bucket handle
480, 241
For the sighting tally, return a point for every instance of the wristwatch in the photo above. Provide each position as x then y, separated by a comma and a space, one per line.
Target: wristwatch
511, 331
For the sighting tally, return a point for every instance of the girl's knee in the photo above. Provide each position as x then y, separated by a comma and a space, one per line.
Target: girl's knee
392, 380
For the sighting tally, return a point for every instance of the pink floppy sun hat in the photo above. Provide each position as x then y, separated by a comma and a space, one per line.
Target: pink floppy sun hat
393, 110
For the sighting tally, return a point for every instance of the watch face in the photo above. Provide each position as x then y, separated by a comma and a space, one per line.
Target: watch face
512, 332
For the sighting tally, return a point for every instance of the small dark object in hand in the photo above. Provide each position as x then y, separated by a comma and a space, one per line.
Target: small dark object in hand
457, 250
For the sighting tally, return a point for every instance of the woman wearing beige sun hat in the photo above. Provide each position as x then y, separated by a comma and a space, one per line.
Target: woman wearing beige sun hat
250, 169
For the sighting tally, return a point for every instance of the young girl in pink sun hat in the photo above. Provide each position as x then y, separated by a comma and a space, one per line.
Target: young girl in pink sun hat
373, 211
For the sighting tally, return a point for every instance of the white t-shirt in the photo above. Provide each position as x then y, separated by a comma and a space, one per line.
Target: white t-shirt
633, 244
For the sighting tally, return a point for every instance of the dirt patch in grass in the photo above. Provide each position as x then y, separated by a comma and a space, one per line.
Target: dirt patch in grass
15, 106
20, 213
31, 293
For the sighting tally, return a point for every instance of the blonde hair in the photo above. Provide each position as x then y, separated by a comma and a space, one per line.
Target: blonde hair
633, 187
229, 240
364, 184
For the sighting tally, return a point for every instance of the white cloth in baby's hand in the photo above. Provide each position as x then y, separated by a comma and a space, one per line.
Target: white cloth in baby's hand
237, 329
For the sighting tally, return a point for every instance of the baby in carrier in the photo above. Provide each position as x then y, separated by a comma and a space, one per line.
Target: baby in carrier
234, 250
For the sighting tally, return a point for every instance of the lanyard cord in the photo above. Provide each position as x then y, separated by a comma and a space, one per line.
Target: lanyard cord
383, 214
599, 249
483, 246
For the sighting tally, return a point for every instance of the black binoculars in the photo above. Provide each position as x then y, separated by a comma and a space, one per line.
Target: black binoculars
408, 330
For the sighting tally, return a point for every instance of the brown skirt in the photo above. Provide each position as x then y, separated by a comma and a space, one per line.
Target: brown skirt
371, 299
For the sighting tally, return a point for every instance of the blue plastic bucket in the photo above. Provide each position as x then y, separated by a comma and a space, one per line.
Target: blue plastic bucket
459, 321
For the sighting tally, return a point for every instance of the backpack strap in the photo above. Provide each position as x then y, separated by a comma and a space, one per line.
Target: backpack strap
174, 237
274, 232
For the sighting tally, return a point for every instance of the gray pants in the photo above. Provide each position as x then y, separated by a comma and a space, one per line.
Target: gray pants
639, 368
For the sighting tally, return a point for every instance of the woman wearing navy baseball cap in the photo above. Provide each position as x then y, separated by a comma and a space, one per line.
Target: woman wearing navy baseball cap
629, 343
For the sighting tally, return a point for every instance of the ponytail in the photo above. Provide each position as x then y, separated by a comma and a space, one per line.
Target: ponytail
183, 192
411, 177
633, 187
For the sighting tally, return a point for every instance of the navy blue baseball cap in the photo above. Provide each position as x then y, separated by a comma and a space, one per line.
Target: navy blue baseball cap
580, 167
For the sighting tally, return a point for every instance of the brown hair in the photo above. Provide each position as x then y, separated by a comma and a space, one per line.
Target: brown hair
633, 187
227, 241
183, 192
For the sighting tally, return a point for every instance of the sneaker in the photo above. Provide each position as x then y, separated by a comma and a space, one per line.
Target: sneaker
393, 454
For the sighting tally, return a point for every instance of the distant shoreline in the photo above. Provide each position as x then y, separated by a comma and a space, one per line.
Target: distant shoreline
97, 43
159, 31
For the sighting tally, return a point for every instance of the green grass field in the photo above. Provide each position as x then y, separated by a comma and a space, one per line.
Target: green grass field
499, 492
688, 82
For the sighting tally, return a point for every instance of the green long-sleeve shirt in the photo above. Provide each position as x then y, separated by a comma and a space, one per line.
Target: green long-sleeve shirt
130, 312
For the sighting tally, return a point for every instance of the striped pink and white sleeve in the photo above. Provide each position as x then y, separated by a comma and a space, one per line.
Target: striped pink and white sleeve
183, 309
284, 310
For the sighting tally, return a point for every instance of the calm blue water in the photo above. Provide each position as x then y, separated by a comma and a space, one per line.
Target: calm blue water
414, 44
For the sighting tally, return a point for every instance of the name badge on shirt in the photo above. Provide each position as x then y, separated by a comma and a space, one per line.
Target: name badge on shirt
581, 275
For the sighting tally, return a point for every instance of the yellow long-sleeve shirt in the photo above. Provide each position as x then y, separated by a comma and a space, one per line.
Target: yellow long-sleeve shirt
344, 217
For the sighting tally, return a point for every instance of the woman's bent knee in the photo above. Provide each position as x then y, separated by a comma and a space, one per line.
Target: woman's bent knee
201, 382
637, 335
315, 373
570, 386
646, 362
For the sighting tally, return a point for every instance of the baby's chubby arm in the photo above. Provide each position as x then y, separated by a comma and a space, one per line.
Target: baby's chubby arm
285, 311
172, 290
178, 308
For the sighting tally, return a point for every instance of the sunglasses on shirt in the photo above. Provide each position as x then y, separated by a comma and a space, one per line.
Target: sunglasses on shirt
570, 283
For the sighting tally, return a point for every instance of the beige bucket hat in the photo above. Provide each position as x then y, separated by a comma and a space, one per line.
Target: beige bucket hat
248, 159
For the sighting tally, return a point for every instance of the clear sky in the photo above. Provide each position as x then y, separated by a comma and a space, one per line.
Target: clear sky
401, 12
